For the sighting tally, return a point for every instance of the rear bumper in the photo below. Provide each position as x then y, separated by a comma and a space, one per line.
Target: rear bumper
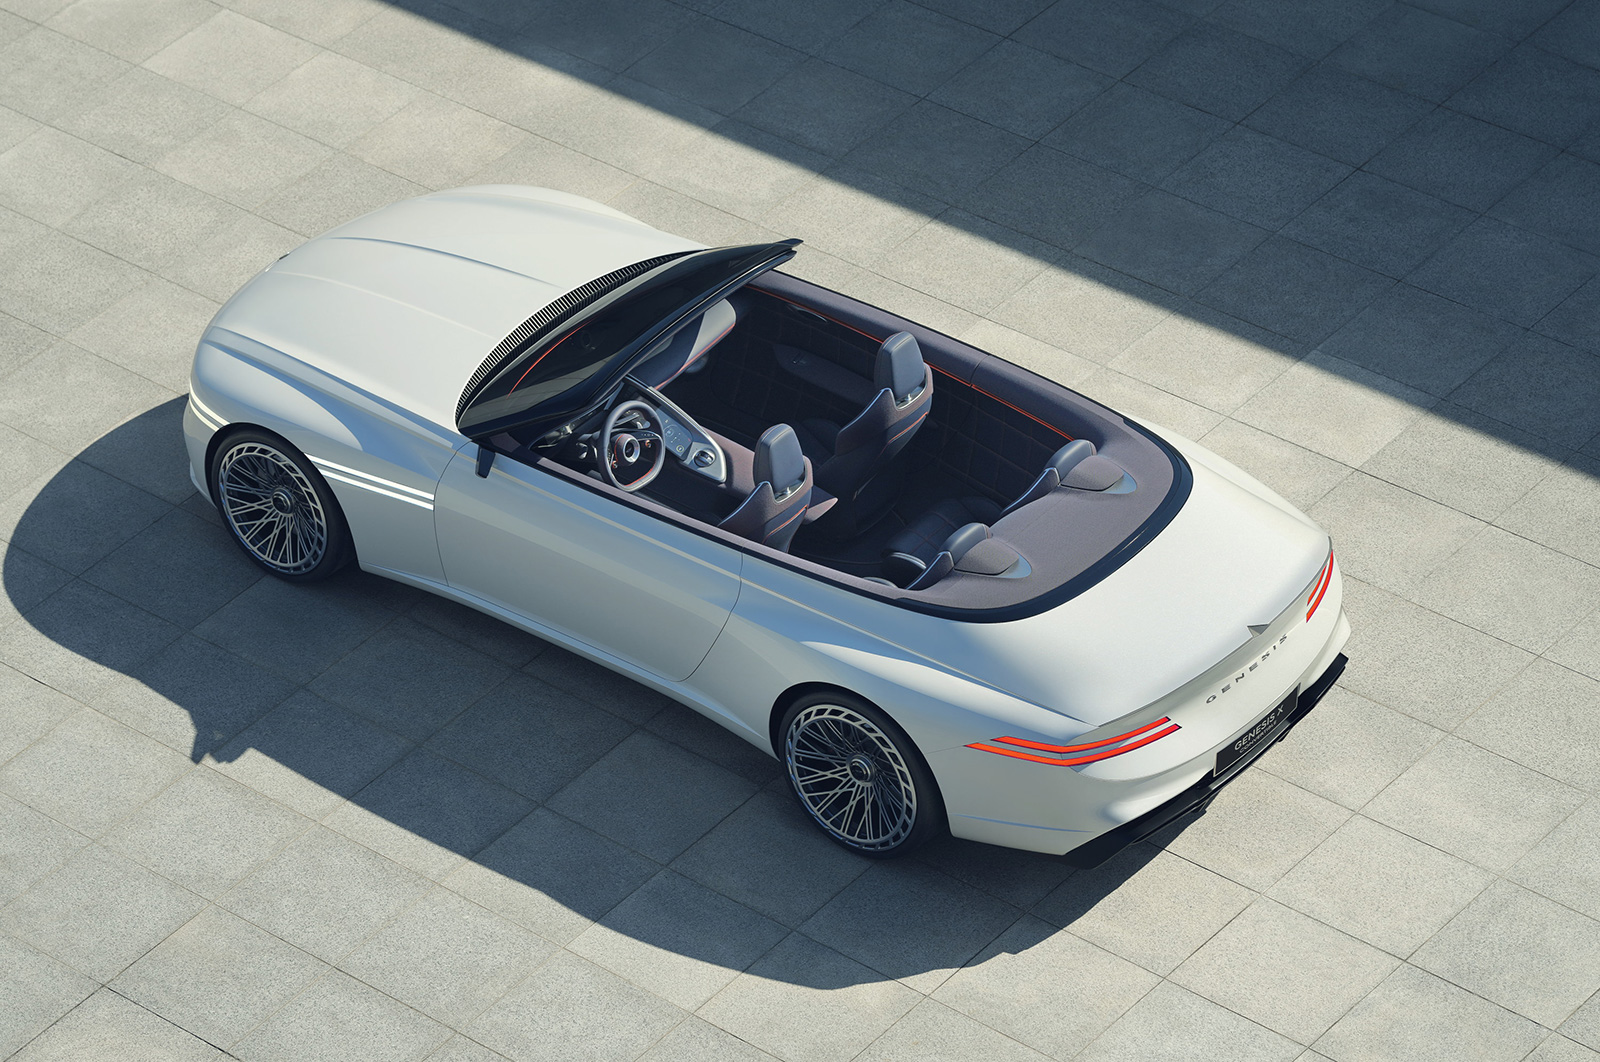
1197, 797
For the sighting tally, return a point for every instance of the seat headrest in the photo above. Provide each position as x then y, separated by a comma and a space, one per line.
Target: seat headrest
964, 538
899, 366
778, 459
1066, 459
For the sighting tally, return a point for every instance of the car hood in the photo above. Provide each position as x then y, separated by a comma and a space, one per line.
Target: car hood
1229, 559
406, 302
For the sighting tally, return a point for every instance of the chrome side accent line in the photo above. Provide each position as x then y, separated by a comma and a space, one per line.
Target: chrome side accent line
206, 415
388, 488
326, 465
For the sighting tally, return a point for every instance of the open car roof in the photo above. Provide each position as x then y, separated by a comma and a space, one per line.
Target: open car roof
567, 357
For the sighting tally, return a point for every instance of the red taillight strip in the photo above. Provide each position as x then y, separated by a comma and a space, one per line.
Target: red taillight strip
1104, 754
1025, 743
1322, 587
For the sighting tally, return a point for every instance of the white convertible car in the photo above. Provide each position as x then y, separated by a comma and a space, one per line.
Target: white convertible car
944, 591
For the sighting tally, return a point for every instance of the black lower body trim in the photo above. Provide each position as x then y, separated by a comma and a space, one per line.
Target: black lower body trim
1197, 797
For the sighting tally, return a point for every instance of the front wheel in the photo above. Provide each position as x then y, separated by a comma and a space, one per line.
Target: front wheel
278, 508
859, 776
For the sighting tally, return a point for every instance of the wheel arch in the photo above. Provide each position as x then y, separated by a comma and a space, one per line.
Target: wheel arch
337, 518
222, 435
788, 697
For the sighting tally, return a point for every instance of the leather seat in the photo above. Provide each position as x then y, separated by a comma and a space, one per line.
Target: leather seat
1075, 465
772, 511
847, 457
971, 548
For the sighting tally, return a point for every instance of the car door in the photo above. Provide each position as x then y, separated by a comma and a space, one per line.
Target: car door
583, 564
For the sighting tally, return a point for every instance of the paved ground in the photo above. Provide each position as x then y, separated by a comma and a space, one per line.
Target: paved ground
1351, 245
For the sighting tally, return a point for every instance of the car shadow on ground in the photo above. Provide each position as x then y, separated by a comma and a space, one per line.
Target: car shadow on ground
533, 782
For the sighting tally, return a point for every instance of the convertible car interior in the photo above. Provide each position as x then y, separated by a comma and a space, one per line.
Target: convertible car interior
868, 449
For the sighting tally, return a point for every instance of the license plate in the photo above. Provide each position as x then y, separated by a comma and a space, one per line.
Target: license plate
1258, 736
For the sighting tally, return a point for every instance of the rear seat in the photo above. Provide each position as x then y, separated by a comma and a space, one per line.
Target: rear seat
914, 550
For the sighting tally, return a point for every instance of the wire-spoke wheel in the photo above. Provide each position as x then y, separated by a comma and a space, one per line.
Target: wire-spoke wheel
277, 507
858, 776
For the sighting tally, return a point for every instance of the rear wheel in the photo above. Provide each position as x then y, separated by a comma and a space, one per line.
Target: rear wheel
859, 776
278, 507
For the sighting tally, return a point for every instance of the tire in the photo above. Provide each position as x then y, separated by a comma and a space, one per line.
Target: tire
859, 776
278, 508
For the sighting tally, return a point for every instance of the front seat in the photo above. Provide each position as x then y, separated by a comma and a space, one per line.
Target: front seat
771, 513
849, 457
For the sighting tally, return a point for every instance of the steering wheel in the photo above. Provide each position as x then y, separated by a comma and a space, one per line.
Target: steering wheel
631, 451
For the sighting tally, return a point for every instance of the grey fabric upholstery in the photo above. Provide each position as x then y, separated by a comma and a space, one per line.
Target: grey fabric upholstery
848, 456
971, 548
1093, 473
954, 525
925, 536
1048, 481
772, 511
1065, 459
1062, 462
992, 556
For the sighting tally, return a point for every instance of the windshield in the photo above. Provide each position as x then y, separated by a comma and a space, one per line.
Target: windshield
574, 357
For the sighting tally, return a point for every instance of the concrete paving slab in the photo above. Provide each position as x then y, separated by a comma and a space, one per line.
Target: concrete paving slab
1218, 70
39, 990
1288, 972
1419, 52
447, 957
1520, 950
1457, 668
98, 912
1549, 719
289, 895
679, 939
1020, 89
1294, 290
1139, 240
552, 876
218, 976
1564, 866
1380, 886
1352, 751
340, 1017
1474, 804
1174, 1023
1414, 1015
33, 845
1338, 114
205, 832
567, 1008
1137, 133
1147, 905
106, 1025
936, 1033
